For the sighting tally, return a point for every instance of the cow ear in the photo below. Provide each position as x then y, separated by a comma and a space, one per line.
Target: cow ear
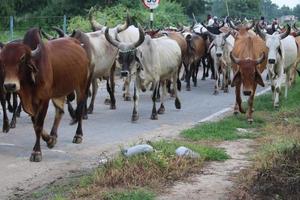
236, 79
258, 79
33, 71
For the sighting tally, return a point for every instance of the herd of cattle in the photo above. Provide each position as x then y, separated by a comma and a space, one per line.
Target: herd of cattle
65, 68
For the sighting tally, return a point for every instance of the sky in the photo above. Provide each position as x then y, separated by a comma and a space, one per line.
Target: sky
289, 3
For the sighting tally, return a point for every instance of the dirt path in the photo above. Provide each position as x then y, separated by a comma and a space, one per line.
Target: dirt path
216, 180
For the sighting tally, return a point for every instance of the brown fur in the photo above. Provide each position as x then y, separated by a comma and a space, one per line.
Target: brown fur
60, 67
247, 48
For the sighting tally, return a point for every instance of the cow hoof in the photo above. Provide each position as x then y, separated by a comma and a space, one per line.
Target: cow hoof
154, 117
77, 139
216, 92
161, 110
177, 104
90, 111
236, 112
13, 125
51, 142
134, 117
157, 100
276, 106
5, 127
73, 121
85, 117
113, 107
203, 78
188, 88
107, 101
195, 84
250, 120
226, 90
36, 156
127, 98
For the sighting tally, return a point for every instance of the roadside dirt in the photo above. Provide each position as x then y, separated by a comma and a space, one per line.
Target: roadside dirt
216, 180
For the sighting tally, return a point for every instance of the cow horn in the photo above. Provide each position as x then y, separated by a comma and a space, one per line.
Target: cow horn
286, 33
280, 28
233, 26
46, 35
260, 32
227, 34
35, 52
202, 23
234, 59
223, 23
211, 34
111, 40
260, 59
251, 26
192, 26
125, 25
59, 31
141, 39
194, 18
94, 24
295, 27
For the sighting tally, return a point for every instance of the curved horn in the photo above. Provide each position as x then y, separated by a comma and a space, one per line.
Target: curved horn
295, 27
192, 27
251, 26
194, 18
141, 39
125, 25
46, 35
223, 23
94, 24
233, 26
59, 31
36, 52
111, 40
234, 59
211, 34
286, 33
280, 28
260, 32
227, 34
260, 59
202, 23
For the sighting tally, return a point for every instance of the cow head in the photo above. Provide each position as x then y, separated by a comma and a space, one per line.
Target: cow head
219, 42
127, 56
273, 43
247, 74
18, 66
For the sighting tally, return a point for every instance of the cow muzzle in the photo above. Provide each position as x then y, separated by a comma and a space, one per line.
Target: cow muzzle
124, 73
218, 55
247, 93
272, 61
11, 87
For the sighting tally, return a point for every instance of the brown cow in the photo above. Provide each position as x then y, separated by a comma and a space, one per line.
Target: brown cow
52, 71
248, 55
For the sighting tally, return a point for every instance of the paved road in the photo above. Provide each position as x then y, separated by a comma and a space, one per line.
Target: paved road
104, 130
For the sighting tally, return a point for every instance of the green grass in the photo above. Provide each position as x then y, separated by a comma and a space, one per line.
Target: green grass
225, 129
138, 194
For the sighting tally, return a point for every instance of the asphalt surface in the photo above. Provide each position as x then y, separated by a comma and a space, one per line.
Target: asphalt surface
105, 130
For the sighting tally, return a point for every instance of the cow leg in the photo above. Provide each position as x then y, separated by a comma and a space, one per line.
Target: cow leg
287, 83
112, 96
278, 84
158, 93
38, 124
126, 94
217, 77
15, 110
135, 114
204, 68
188, 77
226, 79
250, 107
94, 93
154, 95
112, 89
177, 101
19, 108
238, 99
5, 126
59, 111
79, 112
10, 107
161, 109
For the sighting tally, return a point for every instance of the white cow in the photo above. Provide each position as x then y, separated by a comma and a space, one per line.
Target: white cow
281, 57
149, 61
220, 49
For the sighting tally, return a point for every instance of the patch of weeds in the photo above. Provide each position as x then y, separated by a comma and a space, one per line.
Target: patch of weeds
224, 129
137, 194
152, 170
